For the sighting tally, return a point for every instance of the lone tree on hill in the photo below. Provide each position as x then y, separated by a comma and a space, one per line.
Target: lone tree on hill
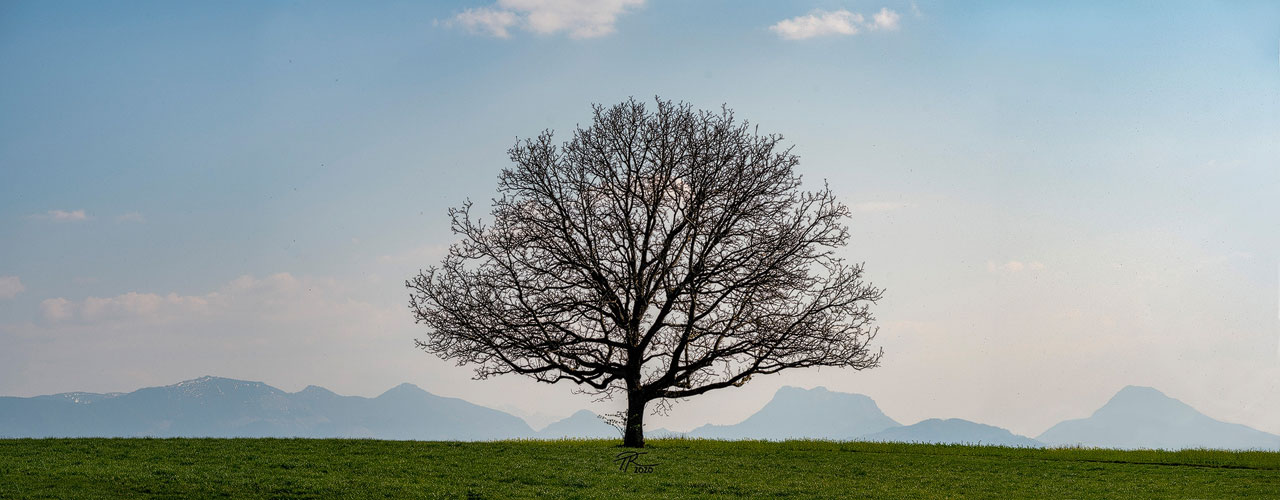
660, 253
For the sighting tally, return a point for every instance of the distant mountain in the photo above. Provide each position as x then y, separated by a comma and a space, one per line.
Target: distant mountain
798, 413
583, 424
536, 420
952, 431
221, 407
1142, 417
662, 433
1137, 417
81, 397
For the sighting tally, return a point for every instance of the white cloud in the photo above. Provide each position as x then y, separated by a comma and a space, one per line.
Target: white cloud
10, 287
580, 18
63, 215
885, 20
834, 23
277, 295
147, 306
488, 21
131, 217
818, 23
577, 18
58, 309
129, 306
879, 206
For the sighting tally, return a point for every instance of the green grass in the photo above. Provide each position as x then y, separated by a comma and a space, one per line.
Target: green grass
302, 468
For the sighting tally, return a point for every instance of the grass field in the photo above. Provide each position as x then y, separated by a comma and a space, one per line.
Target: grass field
302, 468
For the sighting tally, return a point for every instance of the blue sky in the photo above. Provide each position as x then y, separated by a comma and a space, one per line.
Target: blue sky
1061, 200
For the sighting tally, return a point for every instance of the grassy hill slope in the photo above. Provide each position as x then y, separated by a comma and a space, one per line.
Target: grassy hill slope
302, 468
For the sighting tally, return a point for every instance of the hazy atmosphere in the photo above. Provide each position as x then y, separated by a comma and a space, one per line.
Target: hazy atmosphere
1060, 201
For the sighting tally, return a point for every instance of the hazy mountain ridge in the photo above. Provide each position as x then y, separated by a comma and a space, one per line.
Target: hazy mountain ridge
799, 413
1136, 417
220, 407
1143, 417
952, 431
583, 424
81, 397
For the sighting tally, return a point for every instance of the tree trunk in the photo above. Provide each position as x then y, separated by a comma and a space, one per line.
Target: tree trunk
633, 435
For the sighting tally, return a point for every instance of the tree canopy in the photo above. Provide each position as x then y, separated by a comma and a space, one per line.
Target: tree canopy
660, 253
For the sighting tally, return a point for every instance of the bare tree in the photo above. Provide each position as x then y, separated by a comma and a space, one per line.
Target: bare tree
659, 253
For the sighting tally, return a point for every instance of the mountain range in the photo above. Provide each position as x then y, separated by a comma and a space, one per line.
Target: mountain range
1137, 417
952, 431
798, 413
1142, 417
221, 407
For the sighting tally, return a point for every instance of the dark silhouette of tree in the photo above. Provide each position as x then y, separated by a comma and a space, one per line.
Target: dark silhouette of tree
659, 253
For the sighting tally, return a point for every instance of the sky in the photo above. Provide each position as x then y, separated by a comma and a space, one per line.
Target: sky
1060, 200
